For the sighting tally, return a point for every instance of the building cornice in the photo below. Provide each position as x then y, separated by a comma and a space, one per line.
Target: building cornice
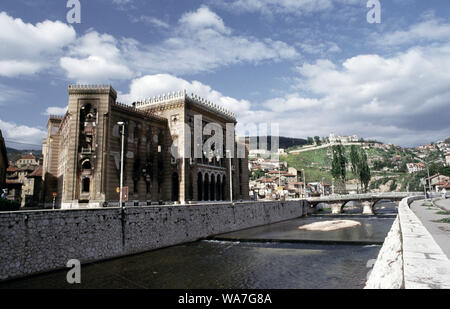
92, 89
167, 100
136, 112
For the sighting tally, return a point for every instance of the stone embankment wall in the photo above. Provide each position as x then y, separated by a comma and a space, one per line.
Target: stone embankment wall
387, 273
410, 258
39, 241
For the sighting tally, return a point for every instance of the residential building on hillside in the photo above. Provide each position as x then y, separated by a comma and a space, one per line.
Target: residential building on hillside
27, 160
415, 167
25, 185
435, 181
342, 139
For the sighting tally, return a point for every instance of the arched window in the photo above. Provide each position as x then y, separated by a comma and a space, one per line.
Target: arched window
86, 165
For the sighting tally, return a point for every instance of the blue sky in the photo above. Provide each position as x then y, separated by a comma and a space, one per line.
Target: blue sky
313, 66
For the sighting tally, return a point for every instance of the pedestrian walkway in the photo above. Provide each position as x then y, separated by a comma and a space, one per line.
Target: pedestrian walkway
429, 215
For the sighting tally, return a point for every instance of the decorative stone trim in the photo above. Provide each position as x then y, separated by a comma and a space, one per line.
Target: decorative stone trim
182, 95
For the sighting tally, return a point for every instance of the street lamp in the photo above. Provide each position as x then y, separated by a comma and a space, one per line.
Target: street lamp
231, 179
121, 124
304, 182
429, 180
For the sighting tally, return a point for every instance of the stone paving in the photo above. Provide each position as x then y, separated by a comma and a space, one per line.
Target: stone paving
428, 215
425, 263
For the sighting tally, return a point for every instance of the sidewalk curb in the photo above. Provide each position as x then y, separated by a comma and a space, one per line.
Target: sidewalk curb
436, 205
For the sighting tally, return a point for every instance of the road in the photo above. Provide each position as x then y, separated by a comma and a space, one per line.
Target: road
440, 231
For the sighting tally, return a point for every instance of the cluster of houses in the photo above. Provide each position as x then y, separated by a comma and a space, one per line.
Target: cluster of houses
333, 139
275, 181
23, 181
415, 167
437, 183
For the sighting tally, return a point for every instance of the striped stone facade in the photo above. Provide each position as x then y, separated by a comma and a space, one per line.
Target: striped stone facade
82, 152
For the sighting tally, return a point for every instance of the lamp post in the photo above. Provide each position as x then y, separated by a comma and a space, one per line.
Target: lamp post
231, 179
429, 180
304, 182
122, 126
323, 186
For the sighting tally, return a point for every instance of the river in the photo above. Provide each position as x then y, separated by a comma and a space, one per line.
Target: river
277, 256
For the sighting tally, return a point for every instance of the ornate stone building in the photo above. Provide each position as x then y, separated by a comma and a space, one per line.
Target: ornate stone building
82, 151
3, 163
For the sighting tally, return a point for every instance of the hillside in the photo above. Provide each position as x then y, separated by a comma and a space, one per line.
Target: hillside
387, 163
285, 142
15, 154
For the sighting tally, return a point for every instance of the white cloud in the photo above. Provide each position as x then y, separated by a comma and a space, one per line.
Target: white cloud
203, 18
22, 133
151, 21
56, 111
201, 42
154, 85
12, 68
426, 31
26, 49
95, 57
291, 102
402, 99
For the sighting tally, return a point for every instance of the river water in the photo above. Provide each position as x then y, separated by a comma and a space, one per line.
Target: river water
278, 256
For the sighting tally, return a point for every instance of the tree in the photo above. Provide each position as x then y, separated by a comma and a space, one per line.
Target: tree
364, 171
338, 165
317, 140
310, 140
355, 161
257, 174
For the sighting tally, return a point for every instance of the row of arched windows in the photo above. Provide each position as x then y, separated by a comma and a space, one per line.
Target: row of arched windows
211, 187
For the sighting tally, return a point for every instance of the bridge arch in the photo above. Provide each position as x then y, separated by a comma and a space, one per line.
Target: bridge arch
384, 206
352, 207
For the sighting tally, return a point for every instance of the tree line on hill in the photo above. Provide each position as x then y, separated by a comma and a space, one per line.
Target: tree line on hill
358, 163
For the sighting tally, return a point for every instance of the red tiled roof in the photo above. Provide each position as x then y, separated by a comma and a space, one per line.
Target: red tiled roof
12, 182
277, 172
28, 156
37, 172
27, 168
267, 180
11, 169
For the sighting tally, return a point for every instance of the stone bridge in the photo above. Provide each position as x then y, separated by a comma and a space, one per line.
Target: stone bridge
368, 201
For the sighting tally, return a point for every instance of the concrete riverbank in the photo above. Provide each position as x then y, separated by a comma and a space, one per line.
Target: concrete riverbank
39, 241
410, 258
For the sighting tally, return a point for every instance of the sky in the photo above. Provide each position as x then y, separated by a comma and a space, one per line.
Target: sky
313, 67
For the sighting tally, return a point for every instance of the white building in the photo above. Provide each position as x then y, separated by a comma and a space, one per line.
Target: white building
343, 139
415, 167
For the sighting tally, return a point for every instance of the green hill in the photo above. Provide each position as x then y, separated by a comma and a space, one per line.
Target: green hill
387, 164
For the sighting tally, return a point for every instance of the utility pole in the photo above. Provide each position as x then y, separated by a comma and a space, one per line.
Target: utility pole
122, 126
